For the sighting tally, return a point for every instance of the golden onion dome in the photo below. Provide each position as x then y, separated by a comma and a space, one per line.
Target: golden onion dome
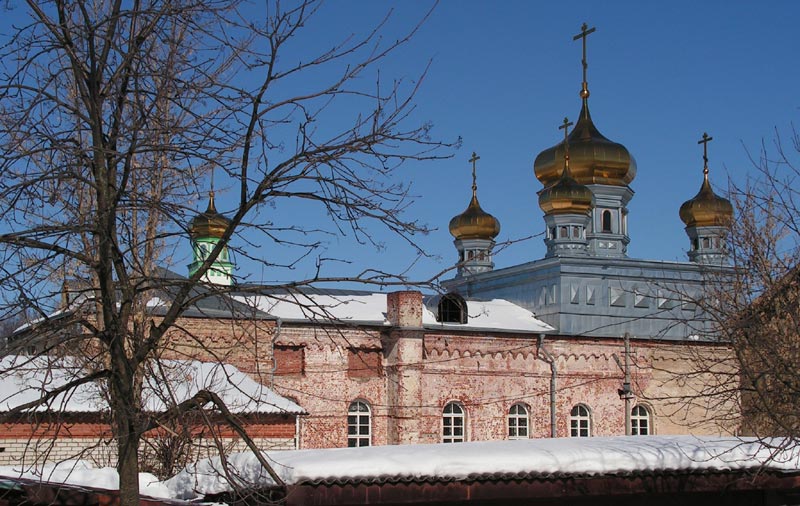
706, 208
566, 196
593, 158
474, 222
209, 223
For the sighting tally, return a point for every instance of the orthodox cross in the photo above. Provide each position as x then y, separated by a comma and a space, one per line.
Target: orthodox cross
585, 31
564, 126
706, 139
473, 161
211, 192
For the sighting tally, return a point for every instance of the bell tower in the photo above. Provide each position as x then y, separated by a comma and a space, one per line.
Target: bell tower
206, 231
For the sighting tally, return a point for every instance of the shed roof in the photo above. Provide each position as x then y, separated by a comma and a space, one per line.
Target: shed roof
25, 379
494, 460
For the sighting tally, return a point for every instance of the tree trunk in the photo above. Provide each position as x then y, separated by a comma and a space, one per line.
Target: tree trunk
125, 404
128, 468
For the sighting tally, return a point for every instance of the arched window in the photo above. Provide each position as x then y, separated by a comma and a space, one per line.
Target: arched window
640, 421
359, 424
606, 225
452, 309
580, 422
453, 419
518, 422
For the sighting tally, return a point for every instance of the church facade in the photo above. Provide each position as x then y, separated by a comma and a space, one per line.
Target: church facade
583, 342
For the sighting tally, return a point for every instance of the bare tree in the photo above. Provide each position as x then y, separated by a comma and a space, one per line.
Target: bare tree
114, 116
754, 307
762, 309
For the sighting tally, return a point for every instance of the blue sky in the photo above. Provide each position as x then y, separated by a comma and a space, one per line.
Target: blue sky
504, 74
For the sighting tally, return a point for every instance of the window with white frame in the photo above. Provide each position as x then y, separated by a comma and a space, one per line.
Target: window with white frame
359, 424
640, 421
453, 419
580, 421
518, 422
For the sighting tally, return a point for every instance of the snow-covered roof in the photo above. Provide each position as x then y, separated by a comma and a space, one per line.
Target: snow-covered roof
521, 459
81, 473
370, 309
361, 308
25, 379
533, 458
495, 314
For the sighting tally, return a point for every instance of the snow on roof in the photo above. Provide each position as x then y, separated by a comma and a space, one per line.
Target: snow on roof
83, 474
240, 392
497, 314
536, 457
25, 379
362, 308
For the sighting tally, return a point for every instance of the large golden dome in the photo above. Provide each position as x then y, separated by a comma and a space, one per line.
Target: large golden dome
566, 196
474, 223
593, 158
706, 208
209, 223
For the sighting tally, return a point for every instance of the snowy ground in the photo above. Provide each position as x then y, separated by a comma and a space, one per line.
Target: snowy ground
588, 456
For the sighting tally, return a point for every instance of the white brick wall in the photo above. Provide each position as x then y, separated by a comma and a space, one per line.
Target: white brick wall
26, 452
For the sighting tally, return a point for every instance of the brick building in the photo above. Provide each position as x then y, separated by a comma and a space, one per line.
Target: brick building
390, 369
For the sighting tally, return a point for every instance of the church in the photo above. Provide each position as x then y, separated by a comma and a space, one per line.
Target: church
583, 342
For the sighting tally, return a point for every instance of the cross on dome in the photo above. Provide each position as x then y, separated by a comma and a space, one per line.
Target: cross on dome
704, 141
473, 161
564, 126
585, 31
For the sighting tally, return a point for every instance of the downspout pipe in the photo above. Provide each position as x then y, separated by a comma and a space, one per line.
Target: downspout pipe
542, 352
626, 385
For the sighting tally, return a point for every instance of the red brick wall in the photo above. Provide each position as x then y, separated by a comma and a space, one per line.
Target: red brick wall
241, 342
25, 429
289, 360
364, 363
487, 373
281, 429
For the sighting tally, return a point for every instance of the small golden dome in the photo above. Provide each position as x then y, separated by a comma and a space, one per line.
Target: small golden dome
706, 208
209, 223
474, 223
566, 196
593, 158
